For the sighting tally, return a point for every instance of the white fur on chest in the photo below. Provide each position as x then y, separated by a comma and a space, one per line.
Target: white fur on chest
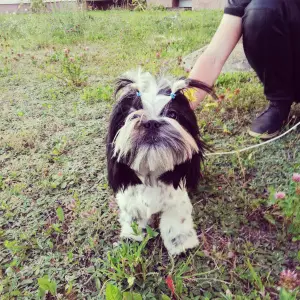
138, 203
151, 199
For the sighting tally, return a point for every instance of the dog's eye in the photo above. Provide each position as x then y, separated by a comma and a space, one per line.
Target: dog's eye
172, 115
134, 117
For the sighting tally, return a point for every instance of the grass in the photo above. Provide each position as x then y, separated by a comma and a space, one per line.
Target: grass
58, 219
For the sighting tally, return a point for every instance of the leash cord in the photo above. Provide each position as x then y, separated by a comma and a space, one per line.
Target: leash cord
254, 146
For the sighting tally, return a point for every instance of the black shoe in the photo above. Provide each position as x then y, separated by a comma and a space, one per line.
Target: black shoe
268, 124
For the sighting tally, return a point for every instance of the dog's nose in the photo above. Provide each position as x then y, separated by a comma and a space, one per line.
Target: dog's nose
151, 124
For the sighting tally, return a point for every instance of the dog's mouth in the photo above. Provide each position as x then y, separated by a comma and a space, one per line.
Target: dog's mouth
151, 139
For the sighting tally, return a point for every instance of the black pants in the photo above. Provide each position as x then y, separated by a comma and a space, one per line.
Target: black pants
271, 36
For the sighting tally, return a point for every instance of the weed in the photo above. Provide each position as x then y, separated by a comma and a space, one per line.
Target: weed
129, 261
256, 279
59, 147
98, 94
113, 293
13, 246
46, 285
37, 6
72, 69
287, 295
289, 206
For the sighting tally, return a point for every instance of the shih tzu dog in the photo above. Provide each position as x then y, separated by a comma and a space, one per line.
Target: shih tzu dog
154, 152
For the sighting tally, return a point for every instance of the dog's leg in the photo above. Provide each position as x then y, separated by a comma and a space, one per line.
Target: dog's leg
176, 225
132, 210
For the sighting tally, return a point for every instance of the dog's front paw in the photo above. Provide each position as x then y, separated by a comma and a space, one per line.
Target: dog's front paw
128, 233
181, 242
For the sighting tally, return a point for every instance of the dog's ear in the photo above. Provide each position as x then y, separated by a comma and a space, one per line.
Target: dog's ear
120, 176
121, 83
130, 82
125, 94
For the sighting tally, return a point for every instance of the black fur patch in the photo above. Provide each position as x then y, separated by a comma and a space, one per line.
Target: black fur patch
120, 176
189, 171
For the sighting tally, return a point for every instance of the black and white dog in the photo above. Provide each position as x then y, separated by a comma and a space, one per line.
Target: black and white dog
154, 153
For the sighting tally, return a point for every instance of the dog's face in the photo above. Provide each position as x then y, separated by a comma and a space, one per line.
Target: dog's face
153, 128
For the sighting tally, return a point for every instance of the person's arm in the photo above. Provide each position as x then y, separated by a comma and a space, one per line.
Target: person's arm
209, 65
